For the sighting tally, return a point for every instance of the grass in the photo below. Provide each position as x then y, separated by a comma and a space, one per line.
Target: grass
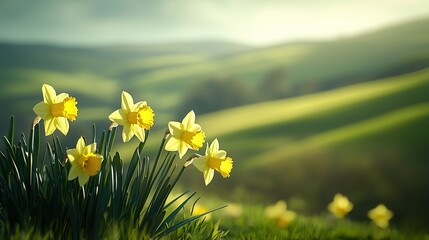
364, 129
252, 224
267, 113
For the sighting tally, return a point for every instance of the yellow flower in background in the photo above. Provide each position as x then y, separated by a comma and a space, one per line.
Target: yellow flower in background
380, 215
274, 211
185, 135
84, 161
55, 110
340, 206
200, 209
286, 218
280, 214
214, 159
233, 210
134, 118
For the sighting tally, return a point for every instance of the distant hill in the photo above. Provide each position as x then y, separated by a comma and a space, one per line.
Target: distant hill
163, 73
98, 59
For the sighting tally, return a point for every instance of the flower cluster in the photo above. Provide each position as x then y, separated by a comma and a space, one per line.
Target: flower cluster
339, 207
188, 135
136, 119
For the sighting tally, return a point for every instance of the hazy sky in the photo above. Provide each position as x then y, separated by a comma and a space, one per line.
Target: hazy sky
256, 22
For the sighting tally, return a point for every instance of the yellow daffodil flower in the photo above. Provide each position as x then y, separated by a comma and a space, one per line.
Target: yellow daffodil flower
200, 209
340, 206
134, 118
55, 110
280, 214
84, 161
233, 210
214, 159
185, 135
380, 215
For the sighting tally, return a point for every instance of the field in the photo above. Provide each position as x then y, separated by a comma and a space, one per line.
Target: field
353, 118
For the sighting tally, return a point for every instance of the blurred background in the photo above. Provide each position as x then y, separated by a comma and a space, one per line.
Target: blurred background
309, 98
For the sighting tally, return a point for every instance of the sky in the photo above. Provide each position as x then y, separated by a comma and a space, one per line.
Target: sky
252, 22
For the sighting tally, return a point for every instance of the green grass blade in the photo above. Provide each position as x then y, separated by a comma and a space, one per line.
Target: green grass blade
11, 129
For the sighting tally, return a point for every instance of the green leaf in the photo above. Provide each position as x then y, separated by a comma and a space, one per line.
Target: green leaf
11, 129
184, 222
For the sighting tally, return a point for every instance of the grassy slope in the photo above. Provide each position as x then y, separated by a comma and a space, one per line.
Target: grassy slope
374, 131
333, 116
323, 118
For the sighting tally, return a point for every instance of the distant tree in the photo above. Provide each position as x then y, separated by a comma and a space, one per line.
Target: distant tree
215, 94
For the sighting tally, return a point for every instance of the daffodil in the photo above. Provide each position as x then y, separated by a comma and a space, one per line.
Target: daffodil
134, 118
55, 110
185, 135
84, 161
380, 215
340, 206
273, 211
201, 209
214, 159
234, 210
280, 214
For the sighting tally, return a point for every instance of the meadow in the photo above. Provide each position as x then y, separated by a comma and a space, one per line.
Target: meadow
302, 121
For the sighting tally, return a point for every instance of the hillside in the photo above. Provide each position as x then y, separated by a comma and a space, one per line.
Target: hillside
163, 74
371, 135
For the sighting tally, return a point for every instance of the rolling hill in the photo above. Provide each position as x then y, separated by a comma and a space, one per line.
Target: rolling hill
163, 73
368, 140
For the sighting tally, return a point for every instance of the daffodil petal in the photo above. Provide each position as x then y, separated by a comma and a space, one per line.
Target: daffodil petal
72, 154
49, 93
119, 116
49, 126
220, 154
182, 148
139, 132
80, 145
194, 128
127, 102
208, 175
74, 172
42, 110
172, 144
83, 179
127, 134
62, 124
175, 128
208, 150
214, 147
89, 149
189, 120
61, 97
139, 105
201, 163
